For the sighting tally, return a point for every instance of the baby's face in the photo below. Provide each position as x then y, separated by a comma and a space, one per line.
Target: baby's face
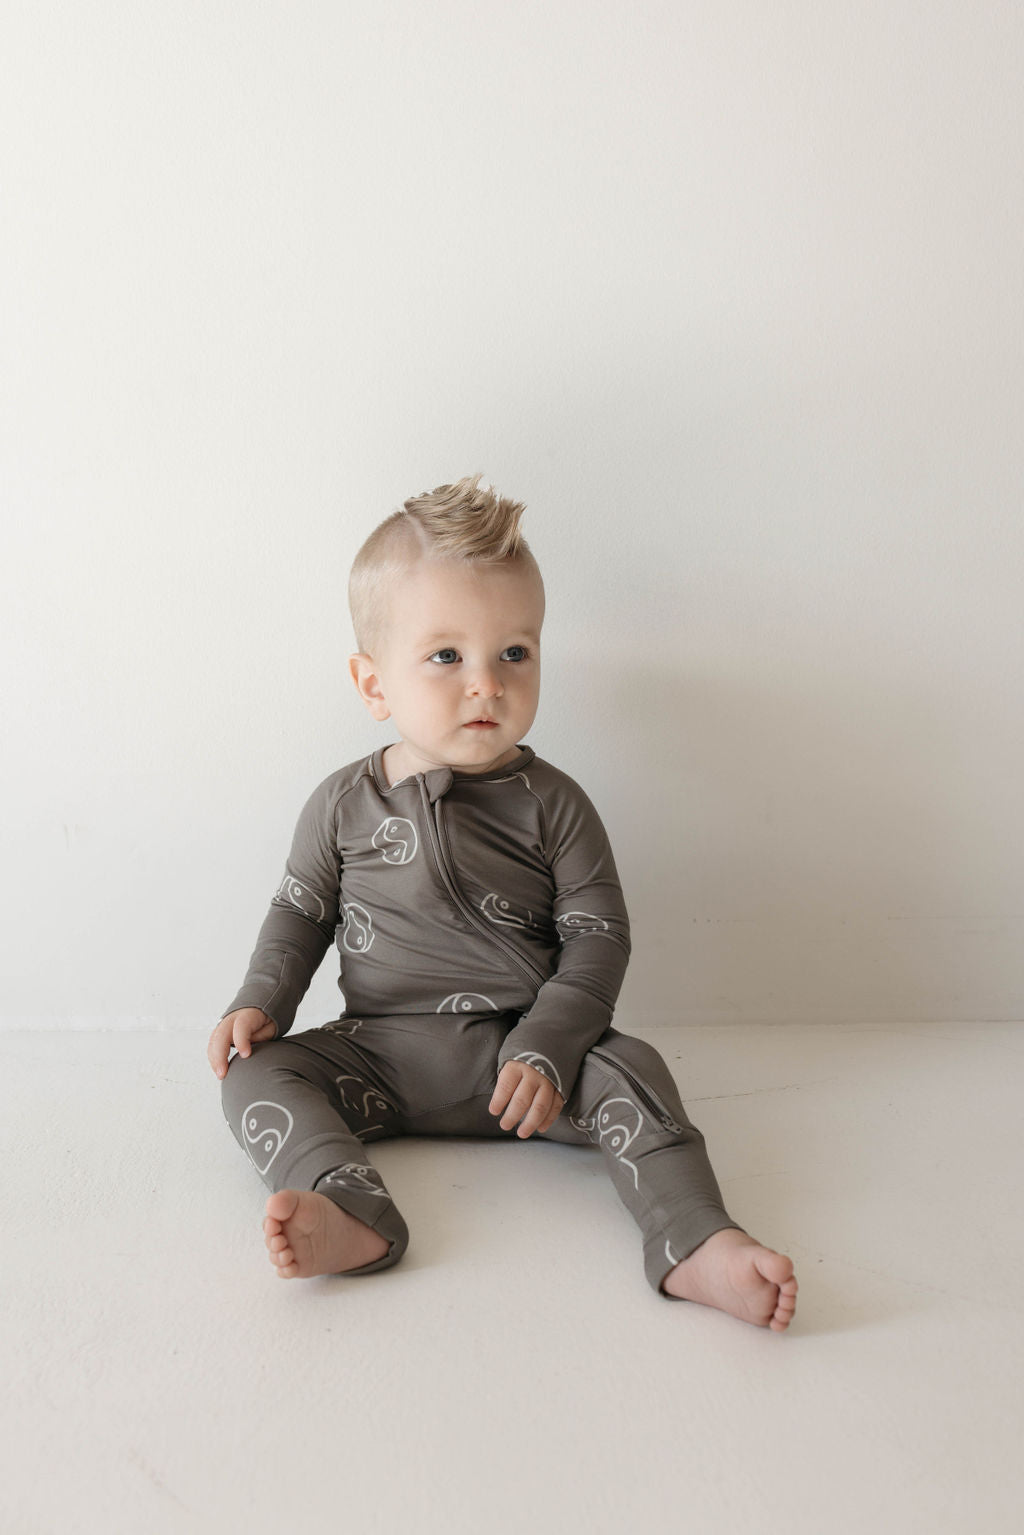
459, 667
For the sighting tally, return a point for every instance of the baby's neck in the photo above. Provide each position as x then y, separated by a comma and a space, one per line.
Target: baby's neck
398, 763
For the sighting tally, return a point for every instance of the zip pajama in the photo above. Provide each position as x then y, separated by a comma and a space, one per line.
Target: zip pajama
478, 919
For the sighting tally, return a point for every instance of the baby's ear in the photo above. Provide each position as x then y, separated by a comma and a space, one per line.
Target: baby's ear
363, 670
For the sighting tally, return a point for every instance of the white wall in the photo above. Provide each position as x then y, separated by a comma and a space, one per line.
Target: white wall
730, 294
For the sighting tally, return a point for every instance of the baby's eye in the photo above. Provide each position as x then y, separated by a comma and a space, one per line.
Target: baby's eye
514, 653
445, 657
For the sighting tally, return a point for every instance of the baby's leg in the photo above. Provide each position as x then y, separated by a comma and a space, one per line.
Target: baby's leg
626, 1101
298, 1107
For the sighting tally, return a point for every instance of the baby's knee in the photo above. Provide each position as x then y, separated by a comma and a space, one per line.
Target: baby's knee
640, 1056
647, 1067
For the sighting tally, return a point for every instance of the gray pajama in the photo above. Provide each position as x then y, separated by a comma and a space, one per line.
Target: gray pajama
478, 919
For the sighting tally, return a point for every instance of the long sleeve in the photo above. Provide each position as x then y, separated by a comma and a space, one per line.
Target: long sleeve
300, 924
574, 1006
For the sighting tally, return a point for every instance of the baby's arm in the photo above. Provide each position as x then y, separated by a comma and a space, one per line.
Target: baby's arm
295, 935
574, 1007
242, 1028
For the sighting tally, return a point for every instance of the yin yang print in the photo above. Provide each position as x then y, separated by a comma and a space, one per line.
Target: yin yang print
396, 839
265, 1128
358, 1177
357, 935
343, 1026
295, 893
496, 909
367, 1102
572, 922
615, 1127
467, 1002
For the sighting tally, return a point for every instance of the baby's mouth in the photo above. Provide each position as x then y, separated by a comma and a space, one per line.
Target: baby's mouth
481, 724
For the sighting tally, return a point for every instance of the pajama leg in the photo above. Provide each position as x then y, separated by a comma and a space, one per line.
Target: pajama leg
301, 1112
626, 1102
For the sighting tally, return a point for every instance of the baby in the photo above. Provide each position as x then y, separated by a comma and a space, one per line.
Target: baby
473, 897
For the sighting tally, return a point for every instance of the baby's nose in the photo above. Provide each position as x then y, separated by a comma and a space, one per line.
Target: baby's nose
485, 682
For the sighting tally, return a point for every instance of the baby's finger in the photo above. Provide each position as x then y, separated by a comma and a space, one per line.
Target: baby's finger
556, 1109
241, 1037
217, 1049
504, 1088
537, 1114
522, 1099
499, 1098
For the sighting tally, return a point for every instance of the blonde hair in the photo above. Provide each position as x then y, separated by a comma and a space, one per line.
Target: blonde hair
463, 521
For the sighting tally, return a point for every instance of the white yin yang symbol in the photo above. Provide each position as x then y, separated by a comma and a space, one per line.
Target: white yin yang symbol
373, 1100
467, 1002
343, 1026
580, 922
265, 1128
357, 934
618, 1123
297, 894
359, 1177
496, 909
396, 838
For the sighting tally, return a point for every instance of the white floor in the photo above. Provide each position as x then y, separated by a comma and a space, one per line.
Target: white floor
515, 1372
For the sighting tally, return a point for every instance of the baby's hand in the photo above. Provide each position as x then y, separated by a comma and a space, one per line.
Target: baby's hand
239, 1028
530, 1097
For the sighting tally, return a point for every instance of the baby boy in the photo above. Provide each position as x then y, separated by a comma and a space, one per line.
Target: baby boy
472, 894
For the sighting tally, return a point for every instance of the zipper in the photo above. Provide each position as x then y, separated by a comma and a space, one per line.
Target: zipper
442, 857
642, 1091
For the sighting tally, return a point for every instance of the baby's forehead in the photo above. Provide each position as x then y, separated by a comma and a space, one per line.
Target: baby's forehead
439, 598
465, 583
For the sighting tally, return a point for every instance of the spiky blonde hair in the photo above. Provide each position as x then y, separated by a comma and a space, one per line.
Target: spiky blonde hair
462, 521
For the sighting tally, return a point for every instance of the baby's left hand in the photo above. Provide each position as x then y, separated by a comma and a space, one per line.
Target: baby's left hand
529, 1097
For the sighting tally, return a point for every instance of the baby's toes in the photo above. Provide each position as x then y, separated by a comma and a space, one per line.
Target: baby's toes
785, 1306
773, 1266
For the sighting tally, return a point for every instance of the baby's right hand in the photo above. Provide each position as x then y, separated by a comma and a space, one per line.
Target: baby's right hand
240, 1028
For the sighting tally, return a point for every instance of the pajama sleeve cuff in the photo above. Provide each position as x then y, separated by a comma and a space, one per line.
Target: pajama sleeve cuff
556, 1034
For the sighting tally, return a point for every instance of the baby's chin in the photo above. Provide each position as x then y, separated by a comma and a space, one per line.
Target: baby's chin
483, 755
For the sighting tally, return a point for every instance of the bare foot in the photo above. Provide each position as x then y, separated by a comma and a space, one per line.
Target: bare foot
306, 1233
735, 1273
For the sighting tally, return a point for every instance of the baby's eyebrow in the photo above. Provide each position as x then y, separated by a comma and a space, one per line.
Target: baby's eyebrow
455, 636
